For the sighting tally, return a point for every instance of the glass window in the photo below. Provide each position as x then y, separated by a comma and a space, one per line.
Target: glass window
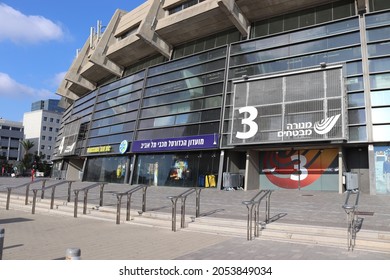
188, 72
377, 5
307, 19
354, 68
291, 21
164, 121
356, 99
380, 81
275, 25
382, 48
378, 34
357, 116
381, 132
324, 14
380, 98
44, 119
380, 64
355, 83
343, 9
261, 29
177, 169
357, 133
381, 115
106, 169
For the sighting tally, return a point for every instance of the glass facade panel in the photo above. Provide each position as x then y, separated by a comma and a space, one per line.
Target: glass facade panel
381, 115
380, 81
106, 169
377, 5
184, 95
355, 83
380, 98
382, 48
188, 61
177, 169
378, 34
357, 133
188, 72
357, 116
380, 64
308, 17
381, 133
356, 100
354, 68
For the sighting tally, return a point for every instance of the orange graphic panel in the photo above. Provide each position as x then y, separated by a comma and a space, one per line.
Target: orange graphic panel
298, 169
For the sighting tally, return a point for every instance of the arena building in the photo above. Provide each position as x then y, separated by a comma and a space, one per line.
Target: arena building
243, 94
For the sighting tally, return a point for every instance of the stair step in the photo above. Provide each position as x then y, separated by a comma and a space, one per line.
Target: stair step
277, 231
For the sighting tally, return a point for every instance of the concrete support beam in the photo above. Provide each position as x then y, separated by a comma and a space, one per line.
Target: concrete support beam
99, 56
235, 15
147, 32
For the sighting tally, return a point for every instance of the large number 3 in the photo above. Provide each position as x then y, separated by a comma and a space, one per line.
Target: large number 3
253, 127
300, 167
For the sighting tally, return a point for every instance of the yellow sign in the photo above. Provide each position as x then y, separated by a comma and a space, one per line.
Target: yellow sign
101, 149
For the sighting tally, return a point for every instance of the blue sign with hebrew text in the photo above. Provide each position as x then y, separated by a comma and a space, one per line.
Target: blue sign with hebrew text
207, 141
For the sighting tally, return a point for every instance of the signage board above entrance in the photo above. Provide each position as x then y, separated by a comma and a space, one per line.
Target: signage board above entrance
207, 141
296, 106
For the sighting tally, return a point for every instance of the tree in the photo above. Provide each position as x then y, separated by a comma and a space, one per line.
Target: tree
27, 145
28, 157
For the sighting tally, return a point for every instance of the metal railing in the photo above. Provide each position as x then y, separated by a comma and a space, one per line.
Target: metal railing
253, 207
183, 197
43, 189
128, 204
85, 190
350, 209
27, 185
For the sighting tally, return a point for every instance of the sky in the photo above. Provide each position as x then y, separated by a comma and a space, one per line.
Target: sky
38, 43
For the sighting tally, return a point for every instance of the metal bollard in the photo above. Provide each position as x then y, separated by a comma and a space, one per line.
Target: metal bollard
73, 254
1, 242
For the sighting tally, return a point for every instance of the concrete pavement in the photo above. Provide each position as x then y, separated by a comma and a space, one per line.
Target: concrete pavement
46, 236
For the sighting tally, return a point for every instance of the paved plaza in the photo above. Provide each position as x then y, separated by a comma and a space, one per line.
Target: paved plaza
46, 236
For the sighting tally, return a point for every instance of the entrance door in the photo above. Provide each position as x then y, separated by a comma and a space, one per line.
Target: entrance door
297, 169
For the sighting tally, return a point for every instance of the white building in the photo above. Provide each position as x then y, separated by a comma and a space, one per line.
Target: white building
41, 126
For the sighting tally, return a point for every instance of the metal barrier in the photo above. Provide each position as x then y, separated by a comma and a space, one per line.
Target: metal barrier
53, 189
254, 204
129, 194
350, 209
86, 189
27, 185
183, 197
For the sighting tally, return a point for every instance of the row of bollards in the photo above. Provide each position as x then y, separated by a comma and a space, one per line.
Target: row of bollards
70, 254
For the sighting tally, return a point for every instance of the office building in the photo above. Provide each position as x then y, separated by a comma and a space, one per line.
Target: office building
41, 127
11, 133
232, 94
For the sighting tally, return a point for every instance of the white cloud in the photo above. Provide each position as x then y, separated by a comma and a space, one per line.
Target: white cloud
9, 88
58, 78
20, 28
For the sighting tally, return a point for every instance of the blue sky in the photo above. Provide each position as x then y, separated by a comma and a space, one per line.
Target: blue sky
38, 43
